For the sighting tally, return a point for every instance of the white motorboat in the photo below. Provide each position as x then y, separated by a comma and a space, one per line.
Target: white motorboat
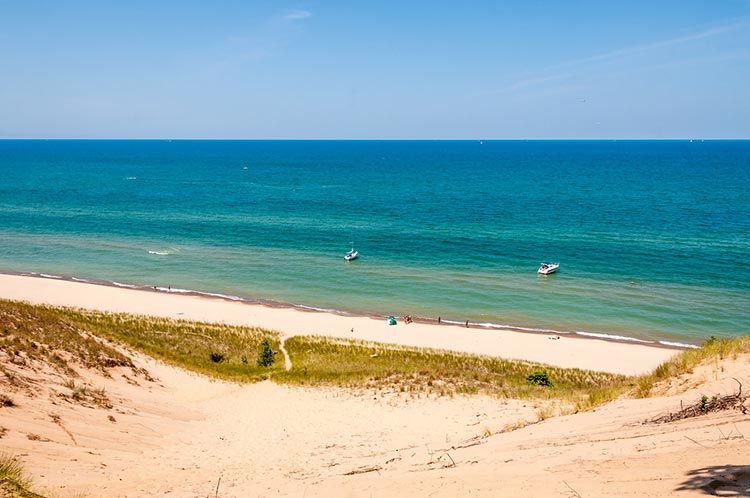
351, 255
547, 268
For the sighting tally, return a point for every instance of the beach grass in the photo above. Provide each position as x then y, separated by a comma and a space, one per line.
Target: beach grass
37, 333
714, 349
388, 368
217, 350
60, 335
231, 353
13, 482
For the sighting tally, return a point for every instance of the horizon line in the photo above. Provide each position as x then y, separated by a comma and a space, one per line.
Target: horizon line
624, 139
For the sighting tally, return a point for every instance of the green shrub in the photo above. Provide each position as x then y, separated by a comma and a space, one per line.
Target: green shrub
539, 378
265, 358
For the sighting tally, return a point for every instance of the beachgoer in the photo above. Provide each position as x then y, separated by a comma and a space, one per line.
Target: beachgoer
438, 320
467, 324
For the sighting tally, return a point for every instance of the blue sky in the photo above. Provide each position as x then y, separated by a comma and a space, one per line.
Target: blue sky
375, 70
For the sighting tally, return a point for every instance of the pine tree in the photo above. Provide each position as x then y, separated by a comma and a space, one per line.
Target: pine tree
265, 358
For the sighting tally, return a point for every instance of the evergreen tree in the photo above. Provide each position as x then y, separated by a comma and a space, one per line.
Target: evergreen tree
265, 358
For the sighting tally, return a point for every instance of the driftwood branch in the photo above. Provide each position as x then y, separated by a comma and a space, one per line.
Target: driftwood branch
575, 493
466, 443
706, 405
696, 442
364, 470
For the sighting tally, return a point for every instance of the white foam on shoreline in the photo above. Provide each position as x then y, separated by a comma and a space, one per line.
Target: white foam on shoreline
499, 326
126, 286
222, 296
313, 308
612, 337
175, 290
678, 345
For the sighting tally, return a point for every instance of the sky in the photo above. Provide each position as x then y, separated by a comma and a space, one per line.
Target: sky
375, 70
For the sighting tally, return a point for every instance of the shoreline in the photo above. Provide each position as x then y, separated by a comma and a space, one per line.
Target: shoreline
569, 350
604, 336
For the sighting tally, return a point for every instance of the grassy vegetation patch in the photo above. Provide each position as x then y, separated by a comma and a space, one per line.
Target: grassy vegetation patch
356, 364
13, 482
246, 354
217, 350
35, 333
684, 362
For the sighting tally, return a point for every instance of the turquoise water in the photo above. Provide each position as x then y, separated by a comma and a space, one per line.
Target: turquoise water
652, 236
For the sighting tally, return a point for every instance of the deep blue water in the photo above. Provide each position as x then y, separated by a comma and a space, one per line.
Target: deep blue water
652, 236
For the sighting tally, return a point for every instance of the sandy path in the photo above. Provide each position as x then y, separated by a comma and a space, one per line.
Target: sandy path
287, 360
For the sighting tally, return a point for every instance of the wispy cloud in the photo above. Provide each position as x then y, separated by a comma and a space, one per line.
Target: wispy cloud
565, 69
623, 52
297, 14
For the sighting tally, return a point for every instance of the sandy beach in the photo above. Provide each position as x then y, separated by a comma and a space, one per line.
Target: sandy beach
559, 350
175, 433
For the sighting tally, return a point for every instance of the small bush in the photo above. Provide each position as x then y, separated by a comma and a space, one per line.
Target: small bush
217, 357
703, 404
265, 358
539, 378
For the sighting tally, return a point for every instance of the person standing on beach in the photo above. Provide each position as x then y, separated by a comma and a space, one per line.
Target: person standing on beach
467, 324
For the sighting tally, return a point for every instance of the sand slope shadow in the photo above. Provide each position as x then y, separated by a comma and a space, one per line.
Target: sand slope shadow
719, 480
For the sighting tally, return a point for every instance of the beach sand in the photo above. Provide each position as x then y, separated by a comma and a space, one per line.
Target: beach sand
568, 351
186, 436
183, 435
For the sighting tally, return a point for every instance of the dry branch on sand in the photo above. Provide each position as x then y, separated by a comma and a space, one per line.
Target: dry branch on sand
364, 470
706, 405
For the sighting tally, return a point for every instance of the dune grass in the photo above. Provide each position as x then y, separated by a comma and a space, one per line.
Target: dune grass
217, 350
423, 372
683, 363
231, 353
13, 482
35, 333
61, 335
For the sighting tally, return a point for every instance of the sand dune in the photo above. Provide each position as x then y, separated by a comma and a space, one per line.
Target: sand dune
183, 435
